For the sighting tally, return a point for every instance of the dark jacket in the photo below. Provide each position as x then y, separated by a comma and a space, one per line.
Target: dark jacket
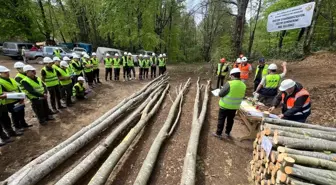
289, 114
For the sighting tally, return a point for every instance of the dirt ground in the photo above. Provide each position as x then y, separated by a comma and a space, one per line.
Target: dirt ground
219, 162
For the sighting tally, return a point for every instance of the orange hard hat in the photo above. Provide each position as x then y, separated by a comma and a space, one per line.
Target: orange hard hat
222, 60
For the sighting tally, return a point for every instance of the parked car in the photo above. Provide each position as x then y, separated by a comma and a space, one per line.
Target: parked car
13, 49
79, 50
101, 52
48, 51
149, 53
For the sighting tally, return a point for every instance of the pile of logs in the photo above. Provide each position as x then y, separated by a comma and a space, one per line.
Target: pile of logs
287, 152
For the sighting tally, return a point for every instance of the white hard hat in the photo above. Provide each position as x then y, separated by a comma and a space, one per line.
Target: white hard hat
117, 55
66, 58
86, 56
80, 78
273, 67
64, 64
3, 69
125, 53
47, 60
129, 54
94, 54
107, 54
141, 55
244, 59
153, 54
160, 55
77, 56
234, 70
286, 84
18, 65
56, 59
164, 55
28, 68
238, 61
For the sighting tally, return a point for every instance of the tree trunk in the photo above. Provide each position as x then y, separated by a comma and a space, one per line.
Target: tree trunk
320, 155
307, 144
294, 181
282, 36
149, 163
238, 35
297, 124
105, 170
302, 31
46, 28
253, 31
305, 132
309, 38
313, 162
318, 176
189, 167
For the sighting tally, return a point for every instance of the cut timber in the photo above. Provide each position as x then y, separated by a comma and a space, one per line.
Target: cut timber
320, 155
297, 124
307, 144
305, 132
318, 176
86, 164
105, 170
295, 181
149, 163
288, 134
274, 156
189, 167
313, 162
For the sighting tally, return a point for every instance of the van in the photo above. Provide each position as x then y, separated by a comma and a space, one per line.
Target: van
13, 49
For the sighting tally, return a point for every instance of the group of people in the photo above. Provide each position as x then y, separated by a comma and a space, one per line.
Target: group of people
269, 88
126, 62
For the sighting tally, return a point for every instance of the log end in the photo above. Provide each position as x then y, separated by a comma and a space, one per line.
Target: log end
281, 149
288, 170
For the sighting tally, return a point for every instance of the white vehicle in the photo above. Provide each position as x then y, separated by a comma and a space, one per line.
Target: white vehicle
101, 52
78, 50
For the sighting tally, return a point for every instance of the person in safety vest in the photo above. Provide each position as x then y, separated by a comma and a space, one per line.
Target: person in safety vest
154, 62
130, 64
268, 87
231, 96
49, 77
261, 71
116, 66
56, 63
222, 69
245, 69
14, 106
8, 85
237, 63
95, 63
146, 66
36, 92
165, 59
295, 100
124, 59
64, 76
20, 75
78, 89
88, 69
57, 53
161, 65
108, 61
76, 68
141, 65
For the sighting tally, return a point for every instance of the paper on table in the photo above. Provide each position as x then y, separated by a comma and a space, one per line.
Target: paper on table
215, 92
15, 95
266, 144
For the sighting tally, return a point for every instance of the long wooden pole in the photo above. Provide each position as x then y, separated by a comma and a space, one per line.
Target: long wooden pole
297, 124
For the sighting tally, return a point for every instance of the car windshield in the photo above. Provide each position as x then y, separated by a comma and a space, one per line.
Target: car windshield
79, 49
112, 53
27, 46
67, 50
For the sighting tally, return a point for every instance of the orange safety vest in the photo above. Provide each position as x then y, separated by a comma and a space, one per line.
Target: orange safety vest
291, 101
244, 71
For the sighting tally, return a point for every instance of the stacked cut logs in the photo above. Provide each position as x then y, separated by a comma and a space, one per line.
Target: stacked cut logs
302, 154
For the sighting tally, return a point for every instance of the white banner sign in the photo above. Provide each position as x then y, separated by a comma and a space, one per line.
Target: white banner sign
291, 18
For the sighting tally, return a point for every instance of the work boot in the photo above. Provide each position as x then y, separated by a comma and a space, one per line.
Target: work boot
228, 136
216, 135
15, 133
61, 107
43, 123
54, 111
8, 140
50, 117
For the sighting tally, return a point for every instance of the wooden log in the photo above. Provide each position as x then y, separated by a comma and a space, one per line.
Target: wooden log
294, 181
320, 155
307, 144
288, 134
297, 124
274, 156
318, 176
281, 177
303, 132
313, 162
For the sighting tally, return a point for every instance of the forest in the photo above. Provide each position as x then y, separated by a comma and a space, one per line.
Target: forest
208, 30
